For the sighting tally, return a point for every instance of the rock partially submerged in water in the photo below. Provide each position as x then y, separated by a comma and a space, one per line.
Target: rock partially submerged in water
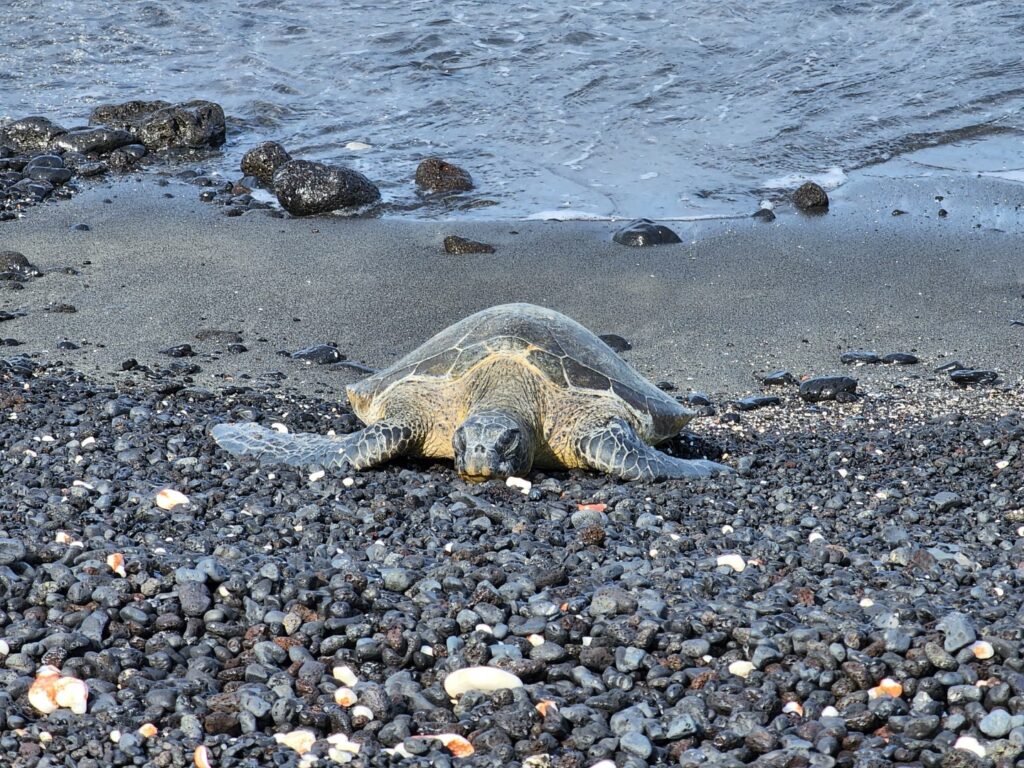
261, 162
810, 197
457, 246
305, 188
30, 133
160, 125
644, 232
437, 175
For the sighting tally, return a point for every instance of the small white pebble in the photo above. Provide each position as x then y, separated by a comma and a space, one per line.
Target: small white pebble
970, 744
88, 441
426, 650
348, 482
587, 641
653, 553
168, 498
1020, 531
524, 486
1002, 464
318, 475
675, 536
735, 562
815, 536
484, 628
486, 679
62, 538
344, 697
47, 438
535, 640
866, 602
830, 712
604, 764
115, 735
301, 740
793, 708
45, 737
707, 658
999, 591
356, 146
727, 529
362, 711
5, 649
223, 591
201, 757
277, 426
344, 675
83, 484
741, 668
34, 455
115, 562
843, 473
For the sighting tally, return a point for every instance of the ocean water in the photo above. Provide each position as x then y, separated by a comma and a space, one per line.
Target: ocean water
610, 108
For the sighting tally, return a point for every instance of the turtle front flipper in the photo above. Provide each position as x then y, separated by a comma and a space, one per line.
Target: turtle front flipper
376, 444
616, 449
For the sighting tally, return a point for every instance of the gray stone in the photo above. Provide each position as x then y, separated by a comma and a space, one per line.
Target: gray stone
959, 631
636, 744
11, 551
996, 723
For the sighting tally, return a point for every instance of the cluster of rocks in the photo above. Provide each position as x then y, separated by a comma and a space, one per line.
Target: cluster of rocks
849, 598
307, 188
39, 158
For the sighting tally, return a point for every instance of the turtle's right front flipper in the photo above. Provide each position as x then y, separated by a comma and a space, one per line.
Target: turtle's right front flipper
617, 449
369, 447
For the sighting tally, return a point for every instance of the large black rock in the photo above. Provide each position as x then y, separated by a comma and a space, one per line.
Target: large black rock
437, 175
96, 141
305, 188
159, 125
810, 197
30, 133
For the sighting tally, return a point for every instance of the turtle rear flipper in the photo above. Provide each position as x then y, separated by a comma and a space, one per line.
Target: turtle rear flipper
615, 448
369, 447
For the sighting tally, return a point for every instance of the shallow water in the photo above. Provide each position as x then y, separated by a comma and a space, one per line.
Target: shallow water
607, 108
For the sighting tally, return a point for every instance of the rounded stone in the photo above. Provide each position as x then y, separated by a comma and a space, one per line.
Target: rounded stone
810, 196
305, 188
262, 161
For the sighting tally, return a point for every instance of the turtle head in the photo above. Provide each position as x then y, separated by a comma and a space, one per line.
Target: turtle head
492, 444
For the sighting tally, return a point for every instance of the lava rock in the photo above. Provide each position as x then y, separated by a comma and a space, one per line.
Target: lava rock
181, 350
437, 175
966, 377
159, 125
15, 266
261, 162
616, 342
644, 232
305, 188
840, 388
900, 358
96, 141
457, 246
778, 379
810, 196
755, 402
859, 357
321, 354
764, 214
30, 133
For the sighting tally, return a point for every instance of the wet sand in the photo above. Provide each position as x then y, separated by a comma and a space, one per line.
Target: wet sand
737, 296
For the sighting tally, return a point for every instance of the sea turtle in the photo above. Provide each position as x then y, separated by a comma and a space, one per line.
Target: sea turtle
505, 389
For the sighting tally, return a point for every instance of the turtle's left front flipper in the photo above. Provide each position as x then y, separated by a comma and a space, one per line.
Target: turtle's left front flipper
376, 444
615, 448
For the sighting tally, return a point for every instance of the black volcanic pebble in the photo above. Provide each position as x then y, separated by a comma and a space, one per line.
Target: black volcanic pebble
5, 315
67, 345
321, 354
810, 196
15, 266
754, 402
900, 358
305, 188
644, 232
764, 214
841, 388
457, 246
262, 161
237, 349
778, 379
30, 133
616, 342
437, 175
952, 365
967, 376
699, 399
859, 357
181, 350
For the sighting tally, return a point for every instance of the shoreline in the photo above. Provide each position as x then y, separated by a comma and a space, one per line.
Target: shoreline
735, 297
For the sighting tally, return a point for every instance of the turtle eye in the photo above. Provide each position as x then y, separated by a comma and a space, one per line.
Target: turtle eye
507, 440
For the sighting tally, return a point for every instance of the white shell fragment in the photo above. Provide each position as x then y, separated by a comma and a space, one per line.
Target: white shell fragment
50, 691
830, 712
318, 475
362, 711
201, 757
277, 426
301, 740
982, 649
970, 744
169, 498
115, 562
344, 697
356, 146
344, 675
479, 679
741, 668
735, 562
522, 485
793, 708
